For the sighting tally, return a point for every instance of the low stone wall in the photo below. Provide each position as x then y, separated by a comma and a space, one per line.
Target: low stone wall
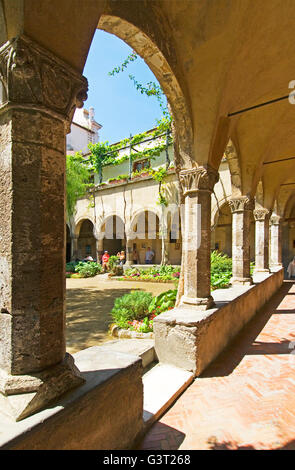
192, 339
104, 413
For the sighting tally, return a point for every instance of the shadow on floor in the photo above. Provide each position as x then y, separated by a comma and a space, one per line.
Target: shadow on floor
162, 437
228, 445
244, 343
88, 316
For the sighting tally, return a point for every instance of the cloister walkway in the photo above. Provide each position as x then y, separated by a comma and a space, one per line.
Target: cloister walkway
246, 398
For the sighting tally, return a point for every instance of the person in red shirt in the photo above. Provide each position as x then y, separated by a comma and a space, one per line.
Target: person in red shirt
105, 260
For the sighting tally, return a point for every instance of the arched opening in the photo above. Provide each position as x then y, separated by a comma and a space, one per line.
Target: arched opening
146, 230
86, 240
174, 238
68, 244
221, 238
114, 234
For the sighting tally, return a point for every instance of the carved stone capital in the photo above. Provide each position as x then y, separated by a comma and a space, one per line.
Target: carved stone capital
261, 214
241, 204
275, 219
202, 178
34, 78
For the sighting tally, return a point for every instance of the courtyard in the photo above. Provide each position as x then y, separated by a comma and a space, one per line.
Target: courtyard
89, 303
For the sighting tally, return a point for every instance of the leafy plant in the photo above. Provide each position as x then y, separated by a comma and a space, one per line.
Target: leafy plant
163, 302
113, 261
77, 180
88, 269
129, 307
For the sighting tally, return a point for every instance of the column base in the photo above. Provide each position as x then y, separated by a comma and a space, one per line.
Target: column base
243, 281
201, 303
128, 263
26, 394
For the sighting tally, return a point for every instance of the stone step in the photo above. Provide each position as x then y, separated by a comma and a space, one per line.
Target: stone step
162, 385
143, 348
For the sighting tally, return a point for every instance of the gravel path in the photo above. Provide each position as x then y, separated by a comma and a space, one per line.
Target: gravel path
89, 302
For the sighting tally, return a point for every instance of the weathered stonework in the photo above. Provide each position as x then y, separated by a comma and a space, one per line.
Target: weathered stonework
41, 93
241, 208
275, 241
261, 216
197, 185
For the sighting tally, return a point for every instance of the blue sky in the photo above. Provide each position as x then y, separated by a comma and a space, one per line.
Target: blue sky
119, 107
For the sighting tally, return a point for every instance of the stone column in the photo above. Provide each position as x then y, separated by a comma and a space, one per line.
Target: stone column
129, 251
276, 241
74, 248
261, 217
197, 185
41, 94
241, 208
99, 248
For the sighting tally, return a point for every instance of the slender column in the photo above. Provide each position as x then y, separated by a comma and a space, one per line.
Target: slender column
41, 95
241, 208
261, 217
74, 247
99, 247
197, 185
276, 241
129, 251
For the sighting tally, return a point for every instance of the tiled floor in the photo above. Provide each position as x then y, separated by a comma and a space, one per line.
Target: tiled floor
246, 398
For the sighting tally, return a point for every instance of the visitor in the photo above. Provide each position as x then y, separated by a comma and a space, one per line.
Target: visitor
149, 255
88, 258
105, 260
122, 258
291, 268
135, 256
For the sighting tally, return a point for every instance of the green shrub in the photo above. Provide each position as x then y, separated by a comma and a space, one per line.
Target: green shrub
113, 261
221, 270
163, 302
88, 269
70, 267
133, 306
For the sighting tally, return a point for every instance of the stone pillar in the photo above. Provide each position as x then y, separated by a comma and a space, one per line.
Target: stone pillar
197, 185
276, 241
99, 248
74, 247
42, 93
129, 251
241, 208
261, 217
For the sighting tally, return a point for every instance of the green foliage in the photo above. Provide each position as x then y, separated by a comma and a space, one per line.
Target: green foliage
163, 302
113, 261
77, 180
70, 267
130, 58
133, 306
155, 273
88, 269
221, 270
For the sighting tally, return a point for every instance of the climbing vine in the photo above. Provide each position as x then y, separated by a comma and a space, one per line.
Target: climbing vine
77, 180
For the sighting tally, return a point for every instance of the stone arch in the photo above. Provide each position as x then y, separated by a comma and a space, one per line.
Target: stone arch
86, 239
232, 158
113, 234
155, 59
145, 225
221, 239
79, 222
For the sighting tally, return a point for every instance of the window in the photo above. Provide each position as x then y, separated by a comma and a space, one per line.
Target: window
139, 166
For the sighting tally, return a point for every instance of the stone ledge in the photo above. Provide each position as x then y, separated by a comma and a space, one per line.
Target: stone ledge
104, 413
191, 339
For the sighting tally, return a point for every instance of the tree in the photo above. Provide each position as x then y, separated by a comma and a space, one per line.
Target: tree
77, 180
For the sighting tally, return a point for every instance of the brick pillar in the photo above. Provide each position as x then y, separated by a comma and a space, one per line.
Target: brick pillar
42, 93
241, 208
261, 217
276, 241
197, 185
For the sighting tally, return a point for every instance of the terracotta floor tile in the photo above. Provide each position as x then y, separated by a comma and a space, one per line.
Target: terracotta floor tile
246, 397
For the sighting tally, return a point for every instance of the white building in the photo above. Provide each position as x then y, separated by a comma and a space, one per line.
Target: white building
84, 130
